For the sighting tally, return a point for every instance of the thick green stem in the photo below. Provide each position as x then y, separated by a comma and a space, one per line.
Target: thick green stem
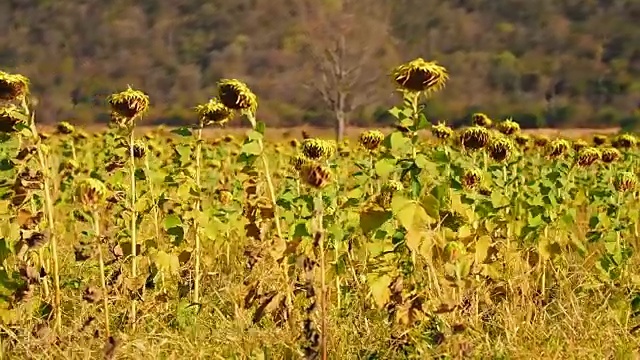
323, 285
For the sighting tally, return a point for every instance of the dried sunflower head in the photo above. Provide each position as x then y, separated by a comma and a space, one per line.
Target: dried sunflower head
126, 106
139, 149
475, 137
13, 87
587, 156
471, 178
316, 149
599, 140
92, 192
10, 116
298, 161
213, 112
441, 131
625, 181
65, 128
522, 140
315, 175
383, 199
481, 119
509, 127
371, 139
500, 148
610, 155
557, 148
420, 75
624, 141
540, 141
579, 145
236, 95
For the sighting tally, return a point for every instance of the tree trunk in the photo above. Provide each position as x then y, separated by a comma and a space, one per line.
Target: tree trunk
340, 126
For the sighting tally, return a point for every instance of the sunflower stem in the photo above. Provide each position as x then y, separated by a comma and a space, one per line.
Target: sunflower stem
134, 217
103, 283
196, 285
323, 286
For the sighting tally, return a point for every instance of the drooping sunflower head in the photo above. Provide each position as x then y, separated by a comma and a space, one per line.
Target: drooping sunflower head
315, 174
475, 137
92, 192
298, 161
509, 127
609, 155
587, 156
441, 131
579, 145
557, 148
599, 140
128, 104
236, 95
316, 149
65, 128
471, 178
13, 87
500, 148
10, 116
481, 119
371, 139
522, 140
625, 181
139, 149
541, 141
213, 112
624, 141
383, 199
420, 75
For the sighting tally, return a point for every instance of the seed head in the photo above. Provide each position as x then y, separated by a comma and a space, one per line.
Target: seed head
587, 156
13, 87
126, 106
316, 149
315, 175
371, 139
624, 141
599, 140
213, 112
441, 131
522, 140
299, 161
471, 178
541, 141
236, 95
419, 75
10, 116
92, 192
139, 149
386, 193
557, 148
625, 181
475, 137
500, 148
579, 145
481, 119
65, 128
610, 155
509, 127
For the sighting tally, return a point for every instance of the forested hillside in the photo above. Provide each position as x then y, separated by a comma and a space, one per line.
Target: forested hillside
545, 62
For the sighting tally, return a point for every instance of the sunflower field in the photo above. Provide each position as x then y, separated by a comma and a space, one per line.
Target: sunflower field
423, 242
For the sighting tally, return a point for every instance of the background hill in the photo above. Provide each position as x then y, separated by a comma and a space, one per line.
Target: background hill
562, 63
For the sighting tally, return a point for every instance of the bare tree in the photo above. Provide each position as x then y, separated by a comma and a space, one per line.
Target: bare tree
349, 47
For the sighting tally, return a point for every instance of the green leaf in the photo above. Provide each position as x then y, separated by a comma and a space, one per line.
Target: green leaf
182, 131
410, 214
252, 148
167, 263
380, 289
254, 135
373, 219
482, 248
171, 221
384, 167
398, 142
